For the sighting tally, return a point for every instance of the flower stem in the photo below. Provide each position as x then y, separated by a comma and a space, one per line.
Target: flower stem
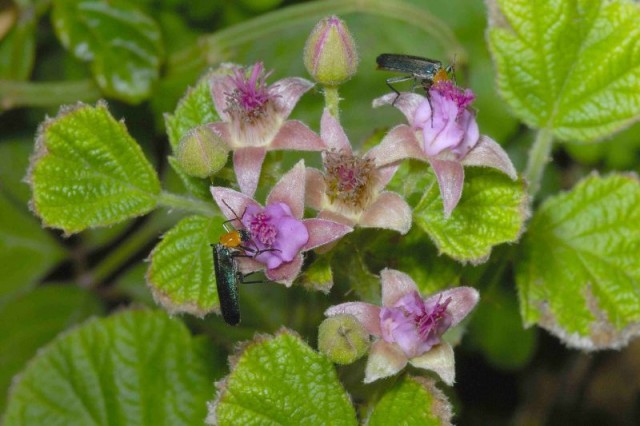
131, 245
180, 202
14, 94
218, 47
331, 100
539, 156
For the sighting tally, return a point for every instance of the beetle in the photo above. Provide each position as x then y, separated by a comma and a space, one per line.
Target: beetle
233, 244
424, 71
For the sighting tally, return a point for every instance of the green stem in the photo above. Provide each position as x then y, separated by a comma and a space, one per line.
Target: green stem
539, 156
180, 202
131, 245
331, 100
15, 94
218, 47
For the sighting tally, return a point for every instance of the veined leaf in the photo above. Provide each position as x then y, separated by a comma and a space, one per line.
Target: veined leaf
571, 66
88, 171
134, 368
281, 381
122, 44
579, 274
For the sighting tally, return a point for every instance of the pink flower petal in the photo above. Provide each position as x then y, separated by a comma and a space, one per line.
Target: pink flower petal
288, 91
333, 134
400, 143
385, 359
407, 103
237, 201
439, 360
336, 217
395, 285
290, 190
249, 264
385, 174
295, 135
450, 175
323, 231
247, 163
220, 86
463, 300
287, 272
388, 211
488, 153
315, 188
366, 313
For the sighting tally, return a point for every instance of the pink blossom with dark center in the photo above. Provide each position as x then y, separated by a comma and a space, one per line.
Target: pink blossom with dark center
278, 231
350, 190
442, 131
409, 328
254, 116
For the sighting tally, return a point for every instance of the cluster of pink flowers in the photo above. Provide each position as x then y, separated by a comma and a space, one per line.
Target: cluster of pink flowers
441, 130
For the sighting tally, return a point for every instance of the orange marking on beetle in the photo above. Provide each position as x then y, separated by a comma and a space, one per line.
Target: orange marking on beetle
231, 239
441, 75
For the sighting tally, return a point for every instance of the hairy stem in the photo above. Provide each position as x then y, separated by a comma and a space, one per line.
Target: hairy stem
14, 94
180, 202
331, 100
539, 156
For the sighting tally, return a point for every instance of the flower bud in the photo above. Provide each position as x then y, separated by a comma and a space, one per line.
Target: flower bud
201, 152
343, 339
330, 52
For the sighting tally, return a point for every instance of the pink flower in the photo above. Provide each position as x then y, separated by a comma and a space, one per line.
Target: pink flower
443, 131
254, 119
278, 228
408, 328
350, 190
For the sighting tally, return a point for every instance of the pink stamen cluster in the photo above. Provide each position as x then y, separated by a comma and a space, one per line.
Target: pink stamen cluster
431, 319
262, 230
250, 95
462, 98
349, 178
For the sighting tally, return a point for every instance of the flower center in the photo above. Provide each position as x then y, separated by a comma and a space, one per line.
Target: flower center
250, 95
349, 179
262, 229
431, 323
462, 98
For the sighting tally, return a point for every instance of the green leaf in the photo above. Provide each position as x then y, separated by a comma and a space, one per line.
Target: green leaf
181, 274
29, 321
17, 48
281, 381
412, 401
194, 109
491, 211
87, 171
27, 252
14, 161
496, 329
571, 66
579, 272
134, 368
122, 44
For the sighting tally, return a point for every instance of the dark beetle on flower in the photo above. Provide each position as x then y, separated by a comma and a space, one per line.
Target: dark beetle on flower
424, 71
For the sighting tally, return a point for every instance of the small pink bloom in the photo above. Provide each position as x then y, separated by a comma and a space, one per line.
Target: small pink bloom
408, 327
278, 232
254, 117
351, 189
443, 131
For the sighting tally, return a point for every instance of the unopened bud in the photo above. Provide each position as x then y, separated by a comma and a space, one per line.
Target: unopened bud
343, 339
201, 152
330, 53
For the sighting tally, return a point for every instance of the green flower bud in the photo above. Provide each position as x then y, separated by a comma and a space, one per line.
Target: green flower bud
201, 152
330, 53
343, 339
